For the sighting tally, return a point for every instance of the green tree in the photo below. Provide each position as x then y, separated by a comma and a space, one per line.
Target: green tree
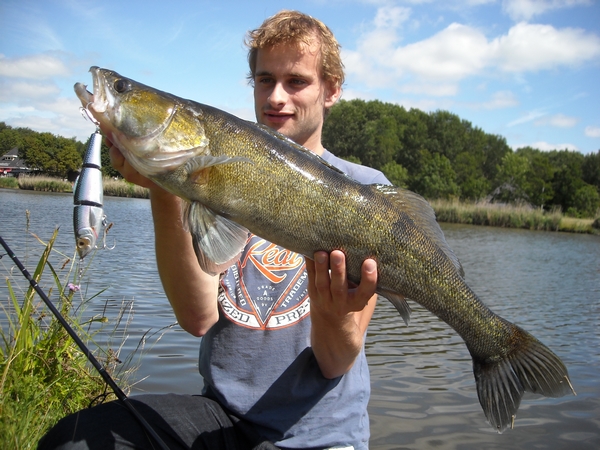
538, 180
414, 139
469, 177
9, 138
447, 134
494, 149
568, 177
343, 131
511, 178
397, 174
591, 169
51, 154
436, 179
586, 201
33, 152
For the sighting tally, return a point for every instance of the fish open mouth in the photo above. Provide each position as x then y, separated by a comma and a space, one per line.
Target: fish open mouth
94, 100
83, 94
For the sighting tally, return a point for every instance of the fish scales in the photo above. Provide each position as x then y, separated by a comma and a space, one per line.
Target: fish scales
238, 177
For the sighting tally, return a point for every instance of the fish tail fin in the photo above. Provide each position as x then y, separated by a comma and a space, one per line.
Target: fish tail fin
530, 366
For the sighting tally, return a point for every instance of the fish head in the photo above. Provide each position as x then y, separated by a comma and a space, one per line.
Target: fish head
153, 129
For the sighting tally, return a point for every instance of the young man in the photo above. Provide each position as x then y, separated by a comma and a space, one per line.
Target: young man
282, 354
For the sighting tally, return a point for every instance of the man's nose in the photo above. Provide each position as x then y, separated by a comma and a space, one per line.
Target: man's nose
278, 95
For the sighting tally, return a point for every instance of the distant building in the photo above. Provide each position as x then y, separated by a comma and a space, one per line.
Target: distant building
12, 165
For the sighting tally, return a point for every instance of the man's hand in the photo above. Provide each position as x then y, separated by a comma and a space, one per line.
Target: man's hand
340, 314
119, 163
330, 292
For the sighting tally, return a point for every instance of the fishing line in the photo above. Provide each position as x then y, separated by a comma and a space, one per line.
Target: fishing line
91, 358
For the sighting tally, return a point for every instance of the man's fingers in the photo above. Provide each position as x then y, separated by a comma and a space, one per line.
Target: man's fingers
339, 284
368, 281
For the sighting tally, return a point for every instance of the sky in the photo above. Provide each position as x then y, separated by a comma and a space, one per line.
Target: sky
528, 70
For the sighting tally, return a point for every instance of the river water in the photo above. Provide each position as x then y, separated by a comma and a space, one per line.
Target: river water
423, 390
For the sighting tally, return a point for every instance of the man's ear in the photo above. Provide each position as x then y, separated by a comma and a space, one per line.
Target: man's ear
332, 95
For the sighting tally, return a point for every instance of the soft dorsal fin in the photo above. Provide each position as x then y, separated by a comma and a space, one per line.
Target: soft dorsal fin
422, 214
218, 242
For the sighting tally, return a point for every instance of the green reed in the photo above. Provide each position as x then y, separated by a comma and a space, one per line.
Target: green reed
43, 373
43, 183
9, 183
509, 216
112, 187
122, 188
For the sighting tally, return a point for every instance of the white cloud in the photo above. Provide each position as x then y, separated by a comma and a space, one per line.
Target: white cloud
501, 99
351, 94
391, 16
38, 67
547, 147
431, 89
459, 51
23, 92
453, 53
531, 47
526, 9
558, 120
532, 115
593, 132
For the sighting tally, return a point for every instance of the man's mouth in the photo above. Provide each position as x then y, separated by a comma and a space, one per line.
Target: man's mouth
277, 117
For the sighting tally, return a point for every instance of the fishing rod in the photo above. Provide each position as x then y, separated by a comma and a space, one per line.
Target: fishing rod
91, 358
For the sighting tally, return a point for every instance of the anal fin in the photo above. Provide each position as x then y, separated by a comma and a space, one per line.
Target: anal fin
399, 303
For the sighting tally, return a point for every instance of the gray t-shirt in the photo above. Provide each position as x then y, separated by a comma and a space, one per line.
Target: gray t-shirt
257, 360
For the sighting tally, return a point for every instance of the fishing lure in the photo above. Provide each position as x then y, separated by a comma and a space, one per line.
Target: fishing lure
89, 220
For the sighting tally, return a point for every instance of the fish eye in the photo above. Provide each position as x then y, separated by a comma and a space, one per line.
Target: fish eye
121, 85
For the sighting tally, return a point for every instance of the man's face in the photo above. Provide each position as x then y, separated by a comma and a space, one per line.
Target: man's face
289, 94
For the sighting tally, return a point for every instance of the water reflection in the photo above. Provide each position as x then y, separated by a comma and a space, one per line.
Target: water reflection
423, 390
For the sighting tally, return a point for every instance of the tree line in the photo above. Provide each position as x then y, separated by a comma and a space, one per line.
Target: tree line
47, 153
441, 156
437, 155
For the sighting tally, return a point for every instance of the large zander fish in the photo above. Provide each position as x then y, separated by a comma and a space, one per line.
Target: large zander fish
239, 176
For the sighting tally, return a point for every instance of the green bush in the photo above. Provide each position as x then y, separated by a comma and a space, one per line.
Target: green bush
9, 182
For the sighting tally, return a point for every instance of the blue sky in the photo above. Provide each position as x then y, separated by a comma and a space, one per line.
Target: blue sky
524, 69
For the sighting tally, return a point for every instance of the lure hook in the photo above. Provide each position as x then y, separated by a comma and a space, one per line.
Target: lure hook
106, 227
85, 112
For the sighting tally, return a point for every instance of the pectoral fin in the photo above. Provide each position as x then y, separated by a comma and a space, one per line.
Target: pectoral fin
218, 242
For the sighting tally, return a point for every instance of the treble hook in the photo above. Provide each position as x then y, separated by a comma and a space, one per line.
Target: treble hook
85, 112
107, 226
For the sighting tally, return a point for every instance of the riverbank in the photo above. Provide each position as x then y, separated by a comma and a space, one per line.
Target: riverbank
44, 374
112, 187
488, 214
512, 216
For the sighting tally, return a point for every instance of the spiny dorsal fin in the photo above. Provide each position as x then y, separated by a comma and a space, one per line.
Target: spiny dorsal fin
422, 214
310, 154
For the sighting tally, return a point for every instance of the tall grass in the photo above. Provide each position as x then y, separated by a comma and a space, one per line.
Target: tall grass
44, 184
509, 216
112, 187
9, 182
122, 188
43, 373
